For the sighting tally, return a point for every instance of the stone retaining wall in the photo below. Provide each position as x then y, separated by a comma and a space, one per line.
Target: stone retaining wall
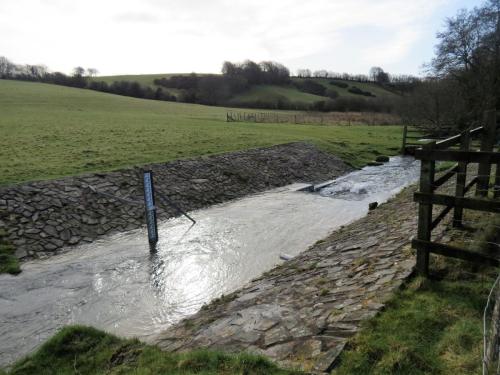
43, 217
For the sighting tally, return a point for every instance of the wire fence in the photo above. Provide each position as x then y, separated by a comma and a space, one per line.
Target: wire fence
314, 118
491, 332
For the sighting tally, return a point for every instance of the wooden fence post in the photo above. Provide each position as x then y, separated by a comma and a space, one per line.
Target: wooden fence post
461, 179
403, 147
427, 172
487, 142
496, 193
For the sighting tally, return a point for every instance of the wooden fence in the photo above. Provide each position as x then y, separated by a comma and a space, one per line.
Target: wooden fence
314, 118
457, 149
413, 138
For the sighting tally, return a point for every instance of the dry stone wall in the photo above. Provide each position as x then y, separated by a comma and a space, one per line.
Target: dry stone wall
45, 216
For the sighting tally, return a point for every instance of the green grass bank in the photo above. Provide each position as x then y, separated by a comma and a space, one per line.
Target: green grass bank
85, 351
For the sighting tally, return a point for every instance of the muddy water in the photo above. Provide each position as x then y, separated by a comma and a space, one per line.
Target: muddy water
117, 285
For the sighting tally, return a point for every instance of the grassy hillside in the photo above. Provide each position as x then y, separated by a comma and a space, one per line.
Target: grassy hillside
268, 92
375, 89
50, 131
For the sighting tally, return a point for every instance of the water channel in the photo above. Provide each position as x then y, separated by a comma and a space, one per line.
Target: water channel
116, 284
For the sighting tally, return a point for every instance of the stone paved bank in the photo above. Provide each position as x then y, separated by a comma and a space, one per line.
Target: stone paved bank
303, 312
42, 217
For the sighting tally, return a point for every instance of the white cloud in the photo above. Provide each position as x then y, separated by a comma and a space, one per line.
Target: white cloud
133, 36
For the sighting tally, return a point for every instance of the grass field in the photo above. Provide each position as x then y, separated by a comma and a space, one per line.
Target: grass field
50, 131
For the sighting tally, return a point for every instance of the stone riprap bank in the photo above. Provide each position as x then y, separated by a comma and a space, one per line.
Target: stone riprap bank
43, 217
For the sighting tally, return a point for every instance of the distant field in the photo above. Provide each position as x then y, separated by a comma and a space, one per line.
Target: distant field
51, 131
143, 79
269, 91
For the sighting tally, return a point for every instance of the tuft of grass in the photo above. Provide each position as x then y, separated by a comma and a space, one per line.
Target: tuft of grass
51, 131
85, 350
8, 261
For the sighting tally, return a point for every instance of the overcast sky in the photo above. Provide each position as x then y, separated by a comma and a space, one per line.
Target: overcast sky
161, 36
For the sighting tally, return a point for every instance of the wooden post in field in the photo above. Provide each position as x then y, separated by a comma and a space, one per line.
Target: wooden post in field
487, 143
405, 132
461, 179
427, 171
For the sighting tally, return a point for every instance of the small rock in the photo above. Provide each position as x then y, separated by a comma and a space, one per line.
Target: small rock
50, 230
65, 235
382, 159
74, 240
21, 253
49, 246
372, 205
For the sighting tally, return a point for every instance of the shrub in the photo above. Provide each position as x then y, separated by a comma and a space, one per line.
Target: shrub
358, 91
311, 87
331, 93
350, 104
339, 84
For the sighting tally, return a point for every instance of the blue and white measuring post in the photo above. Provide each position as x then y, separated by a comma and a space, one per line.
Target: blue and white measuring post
149, 203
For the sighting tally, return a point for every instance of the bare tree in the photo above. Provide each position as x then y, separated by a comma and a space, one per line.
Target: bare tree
78, 71
320, 73
469, 52
6, 67
377, 74
436, 106
304, 73
92, 72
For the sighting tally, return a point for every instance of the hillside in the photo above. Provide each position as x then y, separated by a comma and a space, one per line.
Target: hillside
50, 131
268, 92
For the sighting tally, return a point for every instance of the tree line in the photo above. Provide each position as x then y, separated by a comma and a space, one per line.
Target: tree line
375, 75
212, 89
218, 89
80, 78
464, 76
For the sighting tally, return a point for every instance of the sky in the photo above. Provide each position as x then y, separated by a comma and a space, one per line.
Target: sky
177, 36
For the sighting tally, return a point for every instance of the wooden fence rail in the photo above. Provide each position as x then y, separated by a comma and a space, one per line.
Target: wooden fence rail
427, 197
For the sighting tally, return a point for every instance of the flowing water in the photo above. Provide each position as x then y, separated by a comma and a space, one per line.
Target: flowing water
116, 284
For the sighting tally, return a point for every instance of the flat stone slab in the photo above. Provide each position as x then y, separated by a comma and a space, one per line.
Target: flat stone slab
302, 313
